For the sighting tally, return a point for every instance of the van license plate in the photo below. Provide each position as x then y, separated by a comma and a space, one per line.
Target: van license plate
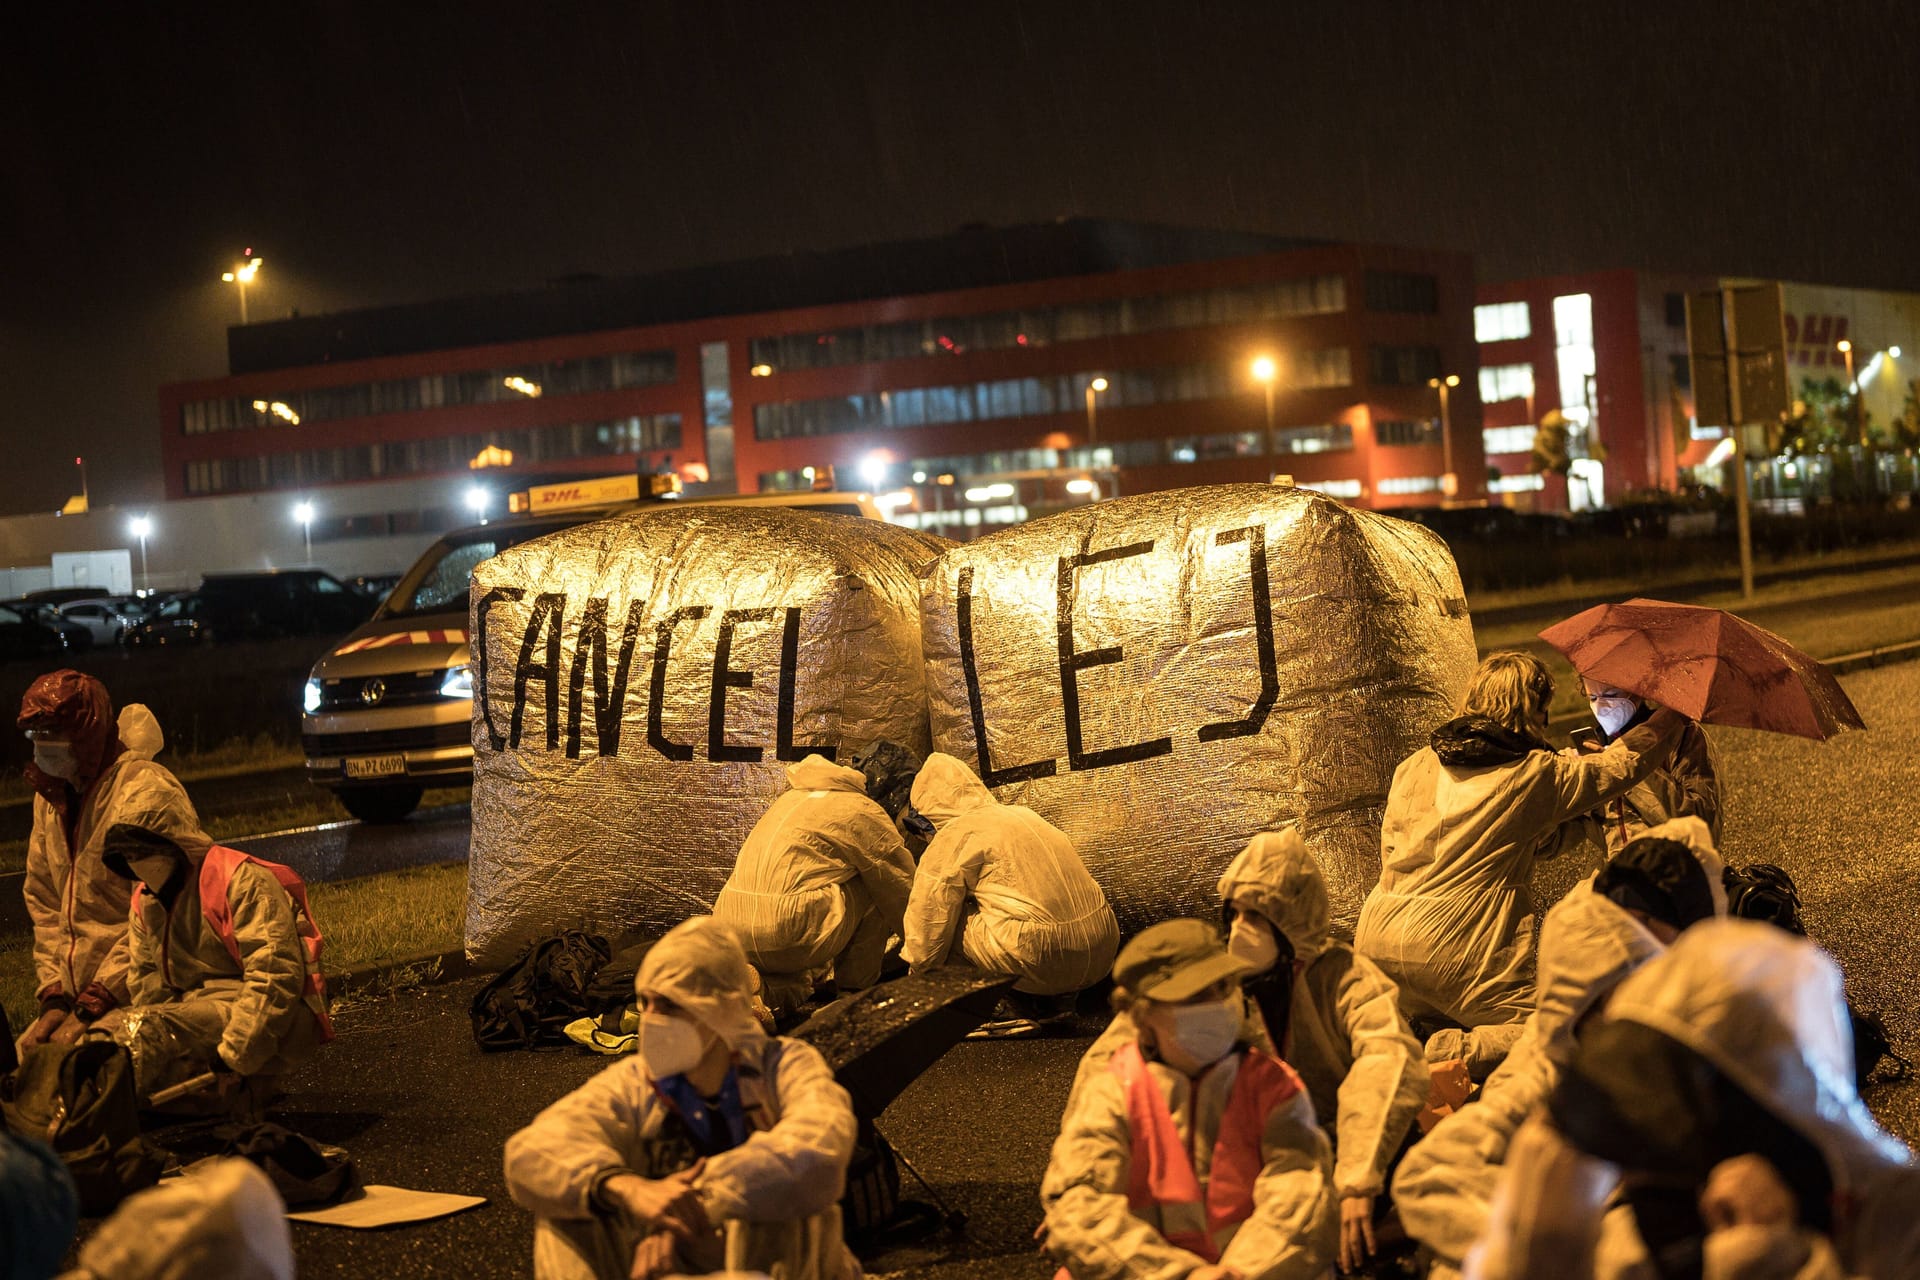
376, 766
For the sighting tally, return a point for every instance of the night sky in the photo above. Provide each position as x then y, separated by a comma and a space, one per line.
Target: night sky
389, 152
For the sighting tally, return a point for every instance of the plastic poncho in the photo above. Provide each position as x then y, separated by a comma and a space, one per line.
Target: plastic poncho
1094, 1230
1347, 1039
823, 866
191, 999
792, 1166
222, 1219
1767, 1011
1037, 913
1684, 786
1452, 919
78, 908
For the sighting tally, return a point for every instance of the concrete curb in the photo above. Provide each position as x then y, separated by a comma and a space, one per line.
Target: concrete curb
1847, 663
454, 967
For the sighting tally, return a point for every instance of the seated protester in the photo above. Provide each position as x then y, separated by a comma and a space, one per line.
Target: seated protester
1684, 786
1004, 889
1193, 1154
1452, 918
222, 966
223, 1217
39, 1209
1715, 1096
819, 887
1616, 921
1332, 1015
90, 771
714, 1145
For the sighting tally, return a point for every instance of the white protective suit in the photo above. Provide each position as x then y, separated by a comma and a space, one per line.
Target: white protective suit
820, 885
222, 1219
1444, 1187
775, 1197
79, 908
1095, 1232
1768, 1011
1452, 919
1006, 886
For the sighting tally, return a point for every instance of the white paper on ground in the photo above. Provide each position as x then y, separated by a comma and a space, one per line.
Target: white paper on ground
387, 1207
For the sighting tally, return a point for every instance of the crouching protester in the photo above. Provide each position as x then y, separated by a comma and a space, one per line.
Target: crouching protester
714, 1147
1608, 927
1716, 1099
1193, 1154
223, 969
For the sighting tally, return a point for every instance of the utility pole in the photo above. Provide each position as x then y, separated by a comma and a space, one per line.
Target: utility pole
1743, 515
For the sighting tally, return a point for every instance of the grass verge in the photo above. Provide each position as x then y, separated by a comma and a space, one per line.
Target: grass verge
369, 921
239, 756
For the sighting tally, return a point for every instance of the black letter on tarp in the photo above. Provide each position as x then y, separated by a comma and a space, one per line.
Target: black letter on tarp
495, 738
549, 607
1255, 536
1072, 664
609, 698
784, 747
662, 645
725, 678
971, 671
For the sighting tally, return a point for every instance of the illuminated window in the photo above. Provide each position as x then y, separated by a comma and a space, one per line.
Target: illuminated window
1501, 322
1333, 488
1505, 382
1507, 439
1517, 484
1407, 432
1409, 484
1573, 353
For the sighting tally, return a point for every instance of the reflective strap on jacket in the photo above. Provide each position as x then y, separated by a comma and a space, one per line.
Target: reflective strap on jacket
1161, 1172
216, 871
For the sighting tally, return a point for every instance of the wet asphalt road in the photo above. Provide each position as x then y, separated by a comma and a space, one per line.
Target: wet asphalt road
419, 1106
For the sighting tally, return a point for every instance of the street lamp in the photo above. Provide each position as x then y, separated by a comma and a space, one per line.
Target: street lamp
1859, 421
478, 499
141, 527
1449, 483
1093, 388
303, 512
1266, 373
241, 276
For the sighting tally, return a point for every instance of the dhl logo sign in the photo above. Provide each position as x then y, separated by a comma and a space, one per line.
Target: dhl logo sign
394, 638
580, 493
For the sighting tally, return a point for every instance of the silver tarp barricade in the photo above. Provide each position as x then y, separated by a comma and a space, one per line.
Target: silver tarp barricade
1165, 675
640, 686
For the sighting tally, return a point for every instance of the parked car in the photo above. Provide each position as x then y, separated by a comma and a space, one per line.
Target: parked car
390, 709
180, 620
375, 586
75, 637
279, 602
57, 596
24, 636
105, 619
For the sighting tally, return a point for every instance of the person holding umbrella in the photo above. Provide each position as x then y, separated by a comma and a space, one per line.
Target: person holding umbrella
1452, 919
1684, 787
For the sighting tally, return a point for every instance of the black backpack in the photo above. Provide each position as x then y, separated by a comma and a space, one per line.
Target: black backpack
529, 1005
80, 1100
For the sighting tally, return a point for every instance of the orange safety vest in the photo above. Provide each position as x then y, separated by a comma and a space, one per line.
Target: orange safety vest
216, 872
1161, 1172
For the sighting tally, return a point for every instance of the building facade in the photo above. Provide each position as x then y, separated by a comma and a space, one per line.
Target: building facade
975, 379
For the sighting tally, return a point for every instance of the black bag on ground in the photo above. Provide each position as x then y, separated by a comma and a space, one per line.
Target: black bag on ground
873, 1217
529, 1005
79, 1099
305, 1174
612, 986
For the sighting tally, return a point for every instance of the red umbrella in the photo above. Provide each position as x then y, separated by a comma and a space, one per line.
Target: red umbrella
1707, 664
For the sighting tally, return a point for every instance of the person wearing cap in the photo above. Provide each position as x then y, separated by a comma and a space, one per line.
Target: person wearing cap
820, 885
1451, 920
1004, 889
220, 973
1684, 785
1614, 923
90, 772
1193, 1154
714, 1145
1715, 1097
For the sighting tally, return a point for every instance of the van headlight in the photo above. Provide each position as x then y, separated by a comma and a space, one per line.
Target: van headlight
458, 682
310, 700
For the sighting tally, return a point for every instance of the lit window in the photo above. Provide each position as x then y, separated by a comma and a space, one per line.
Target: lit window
1410, 484
1501, 322
1507, 439
1333, 488
1517, 484
1505, 382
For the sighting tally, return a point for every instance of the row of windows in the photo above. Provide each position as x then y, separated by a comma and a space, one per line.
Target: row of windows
1400, 432
1403, 366
1507, 440
1505, 382
1501, 322
1034, 397
297, 468
1043, 326
435, 391
1403, 292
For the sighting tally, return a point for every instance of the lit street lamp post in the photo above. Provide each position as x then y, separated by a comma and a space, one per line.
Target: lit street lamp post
1449, 482
1859, 420
1093, 388
141, 527
304, 514
241, 276
1266, 373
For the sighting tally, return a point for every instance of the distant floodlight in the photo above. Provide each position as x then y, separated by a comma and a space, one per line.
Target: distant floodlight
303, 513
141, 526
873, 468
919, 477
478, 500
1843, 346
1264, 369
1098, 384
1894, 352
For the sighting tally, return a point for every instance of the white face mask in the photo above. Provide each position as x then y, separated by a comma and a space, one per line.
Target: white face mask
1201, 1034
1614, 712
1253, 941
55, 759
669, 1046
